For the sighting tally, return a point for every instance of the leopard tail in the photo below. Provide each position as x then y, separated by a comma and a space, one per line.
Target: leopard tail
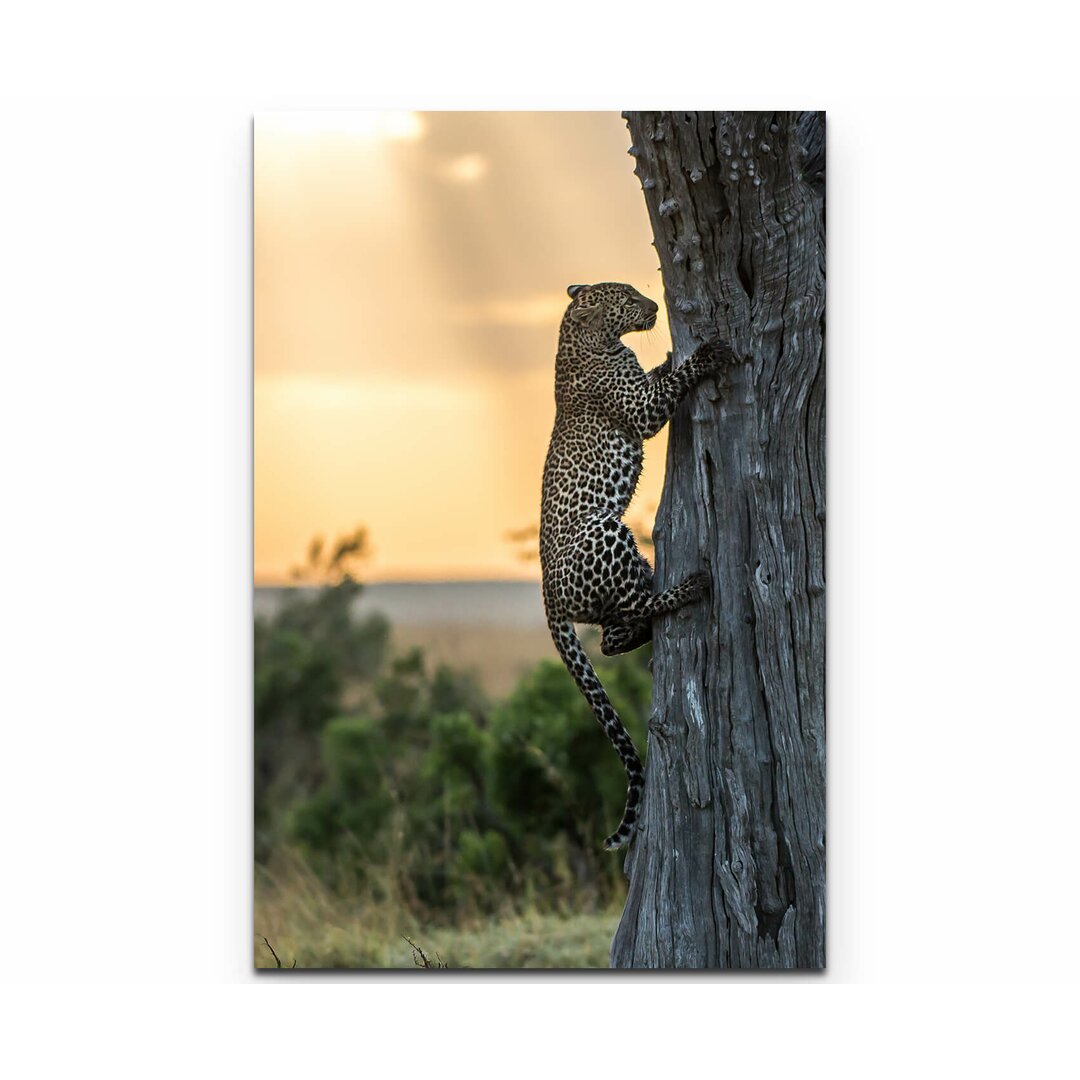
578, 664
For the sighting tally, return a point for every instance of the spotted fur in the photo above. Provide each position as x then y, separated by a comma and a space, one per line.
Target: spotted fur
606, 406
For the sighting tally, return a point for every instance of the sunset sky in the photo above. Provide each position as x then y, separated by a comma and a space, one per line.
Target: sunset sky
410, 275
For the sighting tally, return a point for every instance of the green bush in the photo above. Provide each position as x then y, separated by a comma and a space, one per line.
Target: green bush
475, 808
306, 655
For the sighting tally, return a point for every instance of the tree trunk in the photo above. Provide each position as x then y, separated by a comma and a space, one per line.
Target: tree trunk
728, 865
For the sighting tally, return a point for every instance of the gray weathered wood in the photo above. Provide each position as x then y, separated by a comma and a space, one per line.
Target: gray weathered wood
728, 866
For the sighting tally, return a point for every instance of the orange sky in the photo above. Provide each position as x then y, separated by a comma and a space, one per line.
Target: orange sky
410, 275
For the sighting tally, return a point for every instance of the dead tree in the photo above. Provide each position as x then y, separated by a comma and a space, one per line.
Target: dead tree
728, 867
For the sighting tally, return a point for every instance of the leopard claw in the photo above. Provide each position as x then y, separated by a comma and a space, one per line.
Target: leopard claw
697, 584
717, 353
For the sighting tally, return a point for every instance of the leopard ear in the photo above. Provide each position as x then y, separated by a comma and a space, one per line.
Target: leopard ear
573, 290
587, 315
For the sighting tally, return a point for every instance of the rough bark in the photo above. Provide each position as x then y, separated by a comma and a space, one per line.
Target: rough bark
728, 866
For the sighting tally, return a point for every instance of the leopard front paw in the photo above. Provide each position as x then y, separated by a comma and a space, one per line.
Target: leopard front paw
716, 354
696, 585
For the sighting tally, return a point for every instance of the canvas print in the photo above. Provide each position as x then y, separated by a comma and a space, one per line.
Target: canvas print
539, 498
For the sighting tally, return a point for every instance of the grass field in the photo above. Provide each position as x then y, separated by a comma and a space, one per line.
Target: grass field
313, 928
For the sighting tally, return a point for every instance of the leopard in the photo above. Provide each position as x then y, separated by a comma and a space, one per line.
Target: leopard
592, 571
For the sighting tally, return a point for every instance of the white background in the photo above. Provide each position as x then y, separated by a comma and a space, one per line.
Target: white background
125, 444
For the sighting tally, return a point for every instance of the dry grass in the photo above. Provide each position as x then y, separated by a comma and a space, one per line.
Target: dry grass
308, 925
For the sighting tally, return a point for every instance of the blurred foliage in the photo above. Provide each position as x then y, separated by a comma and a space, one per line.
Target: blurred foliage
407, 785
527, 542
306, 656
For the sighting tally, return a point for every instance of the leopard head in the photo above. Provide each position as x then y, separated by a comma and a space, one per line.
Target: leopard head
608, 310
